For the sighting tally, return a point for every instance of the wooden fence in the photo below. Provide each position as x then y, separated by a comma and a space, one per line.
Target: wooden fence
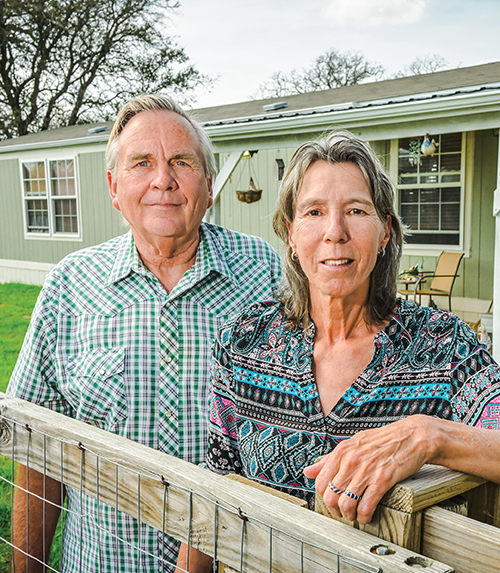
248, 529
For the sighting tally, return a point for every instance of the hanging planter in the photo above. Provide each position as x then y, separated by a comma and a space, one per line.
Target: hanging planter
250, 195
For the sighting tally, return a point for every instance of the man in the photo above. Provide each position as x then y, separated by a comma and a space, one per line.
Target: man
121, 335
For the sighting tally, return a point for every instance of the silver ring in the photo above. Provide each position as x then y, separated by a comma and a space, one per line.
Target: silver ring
335, 489
352, 495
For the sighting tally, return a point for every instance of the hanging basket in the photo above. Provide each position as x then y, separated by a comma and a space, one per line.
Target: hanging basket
250, 196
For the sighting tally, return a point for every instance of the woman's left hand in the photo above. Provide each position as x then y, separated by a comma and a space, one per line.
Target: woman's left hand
370, 463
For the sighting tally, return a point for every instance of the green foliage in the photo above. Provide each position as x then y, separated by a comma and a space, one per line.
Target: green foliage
64, 62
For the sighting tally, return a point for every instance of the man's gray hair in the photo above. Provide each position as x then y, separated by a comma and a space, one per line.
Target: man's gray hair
340, 147
157, 103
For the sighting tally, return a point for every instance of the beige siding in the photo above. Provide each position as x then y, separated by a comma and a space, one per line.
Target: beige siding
100, 220
11, 212
254, 218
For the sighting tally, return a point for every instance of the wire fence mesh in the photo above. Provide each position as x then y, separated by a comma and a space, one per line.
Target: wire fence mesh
246, 529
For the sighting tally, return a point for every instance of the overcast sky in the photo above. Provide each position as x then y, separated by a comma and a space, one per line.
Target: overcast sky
241, 43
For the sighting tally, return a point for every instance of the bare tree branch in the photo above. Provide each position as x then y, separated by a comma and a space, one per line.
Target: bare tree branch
64, 62
425, 65
332, 69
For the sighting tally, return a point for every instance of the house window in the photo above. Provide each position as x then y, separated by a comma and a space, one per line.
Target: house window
49, 190
279, 169
431, 189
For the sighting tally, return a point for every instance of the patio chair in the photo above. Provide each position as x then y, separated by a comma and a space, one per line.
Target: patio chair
443, 278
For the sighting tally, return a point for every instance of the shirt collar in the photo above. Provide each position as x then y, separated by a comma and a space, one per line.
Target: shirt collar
210, 256
127, 259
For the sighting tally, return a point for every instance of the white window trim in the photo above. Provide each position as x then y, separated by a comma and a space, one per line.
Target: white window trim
51, 235
465, 200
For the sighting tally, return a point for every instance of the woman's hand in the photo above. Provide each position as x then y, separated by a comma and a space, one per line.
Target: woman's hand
370, 463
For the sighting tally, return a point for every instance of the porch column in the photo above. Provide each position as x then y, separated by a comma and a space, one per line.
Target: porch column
213, 215
496, 273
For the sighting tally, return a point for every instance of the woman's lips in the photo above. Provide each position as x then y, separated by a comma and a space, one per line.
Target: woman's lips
337, 262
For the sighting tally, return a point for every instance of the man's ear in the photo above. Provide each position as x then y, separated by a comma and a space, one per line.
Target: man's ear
113, 191
210, 193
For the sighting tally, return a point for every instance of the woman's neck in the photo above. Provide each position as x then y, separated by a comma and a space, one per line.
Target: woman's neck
339, 319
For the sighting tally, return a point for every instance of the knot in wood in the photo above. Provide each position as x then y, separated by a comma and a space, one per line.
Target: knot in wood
5, 432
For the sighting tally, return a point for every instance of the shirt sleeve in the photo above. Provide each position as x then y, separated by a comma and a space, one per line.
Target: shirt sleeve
223, 452
276, 271
35, 374
476, 401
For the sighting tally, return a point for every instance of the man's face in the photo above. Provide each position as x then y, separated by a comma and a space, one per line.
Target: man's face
160, 185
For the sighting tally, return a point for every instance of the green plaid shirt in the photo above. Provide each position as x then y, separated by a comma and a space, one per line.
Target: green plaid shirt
109, 346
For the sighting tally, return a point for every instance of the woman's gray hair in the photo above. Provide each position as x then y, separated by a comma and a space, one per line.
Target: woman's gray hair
157, 103
340, 147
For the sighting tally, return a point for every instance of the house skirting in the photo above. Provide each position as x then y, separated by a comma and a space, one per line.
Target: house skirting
25, 272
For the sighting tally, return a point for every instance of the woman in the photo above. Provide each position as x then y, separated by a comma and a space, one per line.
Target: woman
339, 356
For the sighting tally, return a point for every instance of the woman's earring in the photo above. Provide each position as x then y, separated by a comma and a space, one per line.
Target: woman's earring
294, 257
382, 252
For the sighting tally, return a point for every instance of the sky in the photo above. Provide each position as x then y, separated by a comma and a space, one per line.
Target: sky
241, 43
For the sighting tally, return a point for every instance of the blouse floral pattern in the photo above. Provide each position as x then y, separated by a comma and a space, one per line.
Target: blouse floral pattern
266, 420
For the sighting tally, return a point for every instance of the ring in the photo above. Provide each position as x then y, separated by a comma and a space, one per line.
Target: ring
335, 489
352, 495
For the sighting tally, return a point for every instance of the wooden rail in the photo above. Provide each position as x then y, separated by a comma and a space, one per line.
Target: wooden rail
408, 516
121, 473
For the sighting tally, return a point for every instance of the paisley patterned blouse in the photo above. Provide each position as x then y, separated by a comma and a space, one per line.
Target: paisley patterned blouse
266, 417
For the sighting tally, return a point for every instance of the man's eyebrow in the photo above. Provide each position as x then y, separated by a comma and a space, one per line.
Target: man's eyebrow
138, 157
184, 155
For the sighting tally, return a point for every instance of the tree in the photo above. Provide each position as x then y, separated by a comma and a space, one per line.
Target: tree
64, 62
425, 65
333, 69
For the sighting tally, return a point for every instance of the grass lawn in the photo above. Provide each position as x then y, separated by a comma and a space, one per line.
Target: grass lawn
16, 304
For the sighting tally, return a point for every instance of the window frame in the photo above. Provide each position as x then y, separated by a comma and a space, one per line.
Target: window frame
426, 249
51, 198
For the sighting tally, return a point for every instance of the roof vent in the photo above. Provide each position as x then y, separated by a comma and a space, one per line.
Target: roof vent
97, 129
274, 106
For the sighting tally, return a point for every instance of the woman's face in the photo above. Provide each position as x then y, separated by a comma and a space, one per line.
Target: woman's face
337, 232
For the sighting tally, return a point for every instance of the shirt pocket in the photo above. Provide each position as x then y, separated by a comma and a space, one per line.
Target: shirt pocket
95, 387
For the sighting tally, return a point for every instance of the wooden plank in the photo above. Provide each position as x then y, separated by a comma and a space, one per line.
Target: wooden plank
223, 568
89, 458
429, 486
457, 504
466, 544
277, 493
388, 524
484, 503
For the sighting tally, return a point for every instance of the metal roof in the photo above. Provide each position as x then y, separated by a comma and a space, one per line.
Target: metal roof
427, 87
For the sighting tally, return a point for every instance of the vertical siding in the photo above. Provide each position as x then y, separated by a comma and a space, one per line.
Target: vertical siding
254, 218
486, 158
11, 212
98, 219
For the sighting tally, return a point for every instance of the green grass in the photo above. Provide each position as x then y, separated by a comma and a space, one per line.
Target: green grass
16, 304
